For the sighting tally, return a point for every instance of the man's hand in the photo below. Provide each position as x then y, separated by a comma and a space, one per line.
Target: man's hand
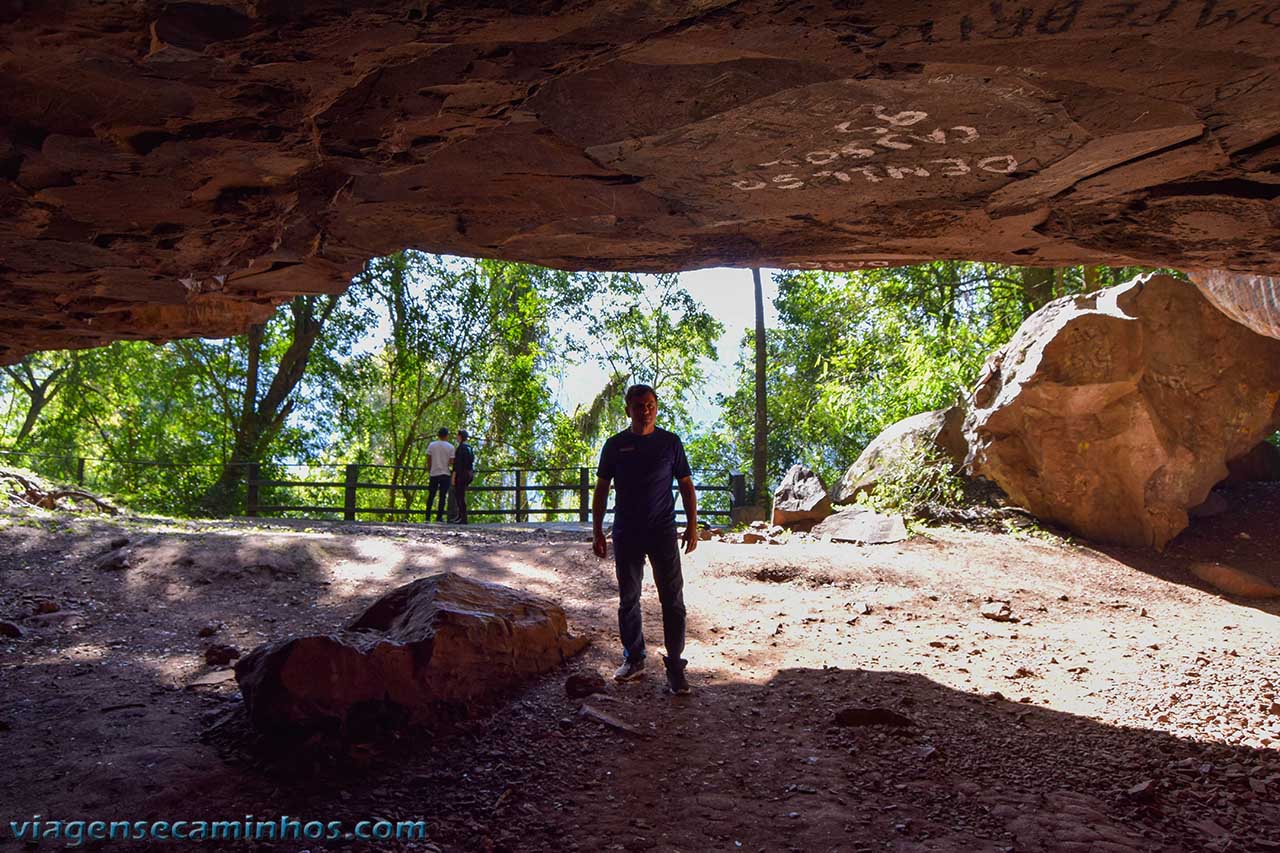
600, 545
690, 538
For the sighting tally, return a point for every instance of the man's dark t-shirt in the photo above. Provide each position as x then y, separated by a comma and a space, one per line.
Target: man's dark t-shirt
642, 468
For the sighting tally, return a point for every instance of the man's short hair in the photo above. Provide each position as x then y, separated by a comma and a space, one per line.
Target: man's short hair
639, 390
442, 433
462, 433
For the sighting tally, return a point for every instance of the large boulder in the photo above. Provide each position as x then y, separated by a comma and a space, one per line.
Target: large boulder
939, 433
1114, 412
801, 498
426, 653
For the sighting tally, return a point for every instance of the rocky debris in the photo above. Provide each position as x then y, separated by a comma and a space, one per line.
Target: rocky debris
863, 526
801, 498
1107, 413
426, 653
45, 605
209, 630
246, 160
998, 611
1234, 581
220, 654
582, 685
592, 713
938, 434
8, 629
68, 620
1261, 464
870, 716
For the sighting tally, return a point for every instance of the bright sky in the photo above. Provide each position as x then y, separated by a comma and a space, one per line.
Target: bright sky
728, 294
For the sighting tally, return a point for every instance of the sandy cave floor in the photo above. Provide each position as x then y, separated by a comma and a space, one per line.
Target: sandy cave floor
1130, 708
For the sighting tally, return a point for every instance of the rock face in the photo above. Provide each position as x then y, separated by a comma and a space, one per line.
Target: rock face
425, 653
801, 499
176, 168
1114, 413
940, 432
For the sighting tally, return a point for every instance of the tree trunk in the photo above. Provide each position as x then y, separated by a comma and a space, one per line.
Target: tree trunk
760, 447
261, 420
1037, 287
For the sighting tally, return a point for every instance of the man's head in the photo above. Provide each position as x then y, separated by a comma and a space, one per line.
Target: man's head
462, 435
642, 408
443, 433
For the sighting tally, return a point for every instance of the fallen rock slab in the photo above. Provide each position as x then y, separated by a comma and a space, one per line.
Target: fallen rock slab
1234, 581
427, 653
863, 526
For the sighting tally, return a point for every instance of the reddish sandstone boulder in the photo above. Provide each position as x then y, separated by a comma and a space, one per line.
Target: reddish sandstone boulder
426, 653
1114, 412
801, 500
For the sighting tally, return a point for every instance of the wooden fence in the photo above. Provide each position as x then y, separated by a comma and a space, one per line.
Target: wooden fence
580, 489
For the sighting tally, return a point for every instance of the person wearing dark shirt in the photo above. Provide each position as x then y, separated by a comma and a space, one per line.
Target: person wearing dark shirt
640, 462
464, 464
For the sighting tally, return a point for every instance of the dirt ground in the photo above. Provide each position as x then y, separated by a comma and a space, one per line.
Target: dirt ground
1128, 708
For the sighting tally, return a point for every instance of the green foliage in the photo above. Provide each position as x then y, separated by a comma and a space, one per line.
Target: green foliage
917, 476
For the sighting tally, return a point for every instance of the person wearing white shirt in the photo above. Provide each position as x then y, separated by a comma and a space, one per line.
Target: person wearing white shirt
441, 453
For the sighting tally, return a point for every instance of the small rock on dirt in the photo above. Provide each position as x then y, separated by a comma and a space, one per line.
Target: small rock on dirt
8, 629
45, 605
1143, 792
999, 611
209, 630
220, 654
582, 685
849, 717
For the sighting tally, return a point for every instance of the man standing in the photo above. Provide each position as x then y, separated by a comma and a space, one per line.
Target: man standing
440, 452
464, 464
641, 461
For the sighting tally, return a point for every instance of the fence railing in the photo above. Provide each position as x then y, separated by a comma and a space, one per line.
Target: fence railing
358, 491
521, 483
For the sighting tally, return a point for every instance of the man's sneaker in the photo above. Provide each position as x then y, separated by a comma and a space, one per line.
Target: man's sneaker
630, 670
676, 681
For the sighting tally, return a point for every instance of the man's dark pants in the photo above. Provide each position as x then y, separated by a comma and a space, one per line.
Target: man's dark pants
663, 550
460, 496
440, 482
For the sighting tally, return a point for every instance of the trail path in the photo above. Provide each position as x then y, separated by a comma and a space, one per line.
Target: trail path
1128, 708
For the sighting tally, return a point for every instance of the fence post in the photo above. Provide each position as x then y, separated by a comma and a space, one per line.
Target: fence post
737, 489
584, 494
522, 499
80, 471
349, 493
251, 491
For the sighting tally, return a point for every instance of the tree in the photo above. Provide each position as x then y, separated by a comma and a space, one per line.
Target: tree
760, 446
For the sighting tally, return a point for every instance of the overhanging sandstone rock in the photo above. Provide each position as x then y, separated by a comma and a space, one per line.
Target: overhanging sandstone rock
424, 654
173, 169
1114, 413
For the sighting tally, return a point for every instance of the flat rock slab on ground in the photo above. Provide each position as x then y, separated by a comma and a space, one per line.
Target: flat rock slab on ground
862, 525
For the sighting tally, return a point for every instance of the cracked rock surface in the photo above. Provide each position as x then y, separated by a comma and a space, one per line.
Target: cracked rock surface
172, 169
